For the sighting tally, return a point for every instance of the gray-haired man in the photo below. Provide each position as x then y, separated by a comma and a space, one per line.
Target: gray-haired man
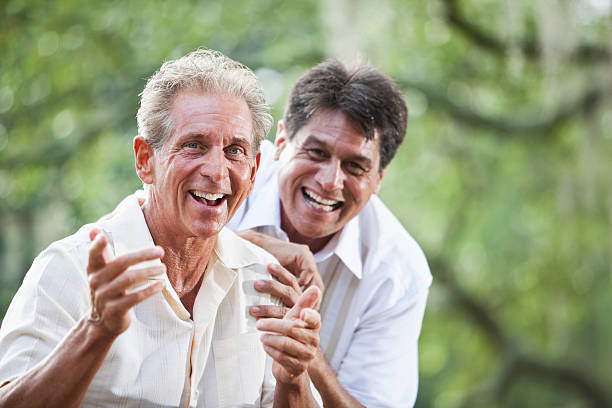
148, 306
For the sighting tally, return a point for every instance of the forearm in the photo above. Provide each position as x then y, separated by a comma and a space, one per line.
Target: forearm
61, 379
297, 394
330, 389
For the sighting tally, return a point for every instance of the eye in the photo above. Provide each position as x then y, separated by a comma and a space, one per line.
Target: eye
316, 154
192, 145
234, 150
355, 168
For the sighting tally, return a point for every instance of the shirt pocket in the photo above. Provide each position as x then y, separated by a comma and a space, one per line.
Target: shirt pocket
240, 362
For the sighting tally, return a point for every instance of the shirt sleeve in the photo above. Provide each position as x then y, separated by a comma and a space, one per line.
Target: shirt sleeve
49, 303
380, 368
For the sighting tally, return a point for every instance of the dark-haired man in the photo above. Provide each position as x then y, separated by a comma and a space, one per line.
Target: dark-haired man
314, 207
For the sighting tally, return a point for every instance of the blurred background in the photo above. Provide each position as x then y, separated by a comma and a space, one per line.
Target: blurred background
503, 177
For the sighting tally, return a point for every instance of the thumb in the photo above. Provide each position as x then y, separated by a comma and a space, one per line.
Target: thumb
304, 271
307, 300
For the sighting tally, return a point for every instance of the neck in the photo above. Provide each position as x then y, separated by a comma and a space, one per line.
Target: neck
314, 244
185, 258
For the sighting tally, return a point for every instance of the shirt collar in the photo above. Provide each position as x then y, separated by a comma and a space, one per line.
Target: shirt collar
128, 231
346, 245
126, 225
233, 251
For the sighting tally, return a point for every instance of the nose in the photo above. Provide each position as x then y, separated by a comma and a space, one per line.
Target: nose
213, 165
330, 176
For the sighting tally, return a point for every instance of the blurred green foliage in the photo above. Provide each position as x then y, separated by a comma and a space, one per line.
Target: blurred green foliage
503, 177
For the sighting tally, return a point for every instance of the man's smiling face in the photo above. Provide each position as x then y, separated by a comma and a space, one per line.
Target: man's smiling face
206, 168
327, 173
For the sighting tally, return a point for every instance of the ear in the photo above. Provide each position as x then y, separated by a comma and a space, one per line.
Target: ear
281, 140
379, 178
143, 157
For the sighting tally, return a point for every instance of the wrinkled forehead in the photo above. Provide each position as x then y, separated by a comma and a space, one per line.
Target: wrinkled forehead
197, 111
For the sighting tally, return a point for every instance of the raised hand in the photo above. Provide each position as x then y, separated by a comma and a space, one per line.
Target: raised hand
114, 288
296, 258
292, 341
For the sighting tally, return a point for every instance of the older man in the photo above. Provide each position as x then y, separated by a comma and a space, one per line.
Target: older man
154, 310
340, 130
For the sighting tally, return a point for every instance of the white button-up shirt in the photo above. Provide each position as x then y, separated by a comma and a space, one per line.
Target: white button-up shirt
376, 284
164, 359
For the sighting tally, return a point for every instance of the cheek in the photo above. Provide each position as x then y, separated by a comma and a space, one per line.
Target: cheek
359, 191
241, 176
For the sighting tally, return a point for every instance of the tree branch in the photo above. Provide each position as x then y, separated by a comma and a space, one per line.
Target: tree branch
519, 364
588, 101
583, 53
564, 375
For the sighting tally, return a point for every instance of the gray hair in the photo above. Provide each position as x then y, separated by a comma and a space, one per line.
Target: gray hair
203, 70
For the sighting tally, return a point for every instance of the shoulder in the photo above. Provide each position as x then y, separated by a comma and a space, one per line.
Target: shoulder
56, 279
237, 252
250, 261
392, 251
70, 251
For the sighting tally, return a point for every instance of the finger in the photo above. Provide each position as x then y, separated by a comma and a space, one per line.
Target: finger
307, 267
135, 257
294, 329
283, 275
311, 318
107, 254
128, 280
96, 258
267, 311
121, 305
291, 365
318, 282
289, 347
308, 300
92, 233
286, 293
122, 263
306, 275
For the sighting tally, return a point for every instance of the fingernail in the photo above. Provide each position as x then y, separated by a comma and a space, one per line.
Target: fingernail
259, 284
255, 309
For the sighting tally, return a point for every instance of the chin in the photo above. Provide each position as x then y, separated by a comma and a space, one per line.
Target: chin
315, 232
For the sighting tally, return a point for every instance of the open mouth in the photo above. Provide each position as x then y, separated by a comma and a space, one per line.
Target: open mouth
212, 199
319, 202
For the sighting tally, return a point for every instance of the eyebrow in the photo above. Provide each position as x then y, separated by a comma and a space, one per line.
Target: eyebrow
234, 139
241, 140
312, 139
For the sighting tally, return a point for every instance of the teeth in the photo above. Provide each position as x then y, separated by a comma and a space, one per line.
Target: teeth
321, 203
321, 206
320, 199
207, 196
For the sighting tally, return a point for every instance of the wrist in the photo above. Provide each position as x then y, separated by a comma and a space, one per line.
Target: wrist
297, 392
96, 333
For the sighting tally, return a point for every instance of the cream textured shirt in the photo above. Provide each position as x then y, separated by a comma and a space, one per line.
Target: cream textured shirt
376, 284
164, 359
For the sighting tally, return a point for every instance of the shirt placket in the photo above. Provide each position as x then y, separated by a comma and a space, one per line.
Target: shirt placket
216, 284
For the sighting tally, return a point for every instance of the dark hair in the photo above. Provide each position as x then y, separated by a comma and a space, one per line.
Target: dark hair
363, 93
